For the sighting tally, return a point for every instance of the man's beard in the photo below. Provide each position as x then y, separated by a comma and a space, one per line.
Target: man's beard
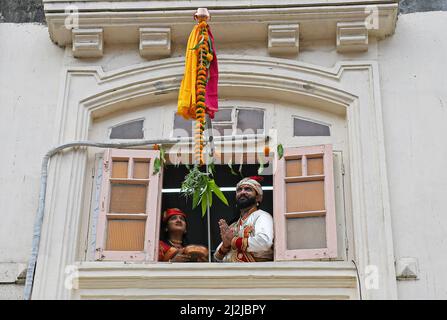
245, 202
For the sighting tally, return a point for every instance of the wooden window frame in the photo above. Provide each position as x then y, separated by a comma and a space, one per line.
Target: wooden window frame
280, 214
152, 205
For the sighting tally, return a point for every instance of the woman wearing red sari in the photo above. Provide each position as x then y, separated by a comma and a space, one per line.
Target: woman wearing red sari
172, 248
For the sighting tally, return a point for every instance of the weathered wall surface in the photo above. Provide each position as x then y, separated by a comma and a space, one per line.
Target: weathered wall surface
413, 67
410, 6
414, 93
29, 82
19, 11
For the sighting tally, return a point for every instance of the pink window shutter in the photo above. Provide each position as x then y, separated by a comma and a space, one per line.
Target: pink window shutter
304, 204
129, 206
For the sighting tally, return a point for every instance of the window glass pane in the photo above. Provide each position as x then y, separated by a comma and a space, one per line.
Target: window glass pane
182, 127
119, 169
294, 168
141, 169
128, 198
223, 130
130, 130
125, 235
250, 119
315, 166
306, 233
305, 196
223, 115
307, 128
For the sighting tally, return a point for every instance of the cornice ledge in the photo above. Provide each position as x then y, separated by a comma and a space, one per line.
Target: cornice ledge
313, 20
194, 4
115, 275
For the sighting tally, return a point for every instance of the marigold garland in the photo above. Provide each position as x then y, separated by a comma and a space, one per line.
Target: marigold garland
193, 93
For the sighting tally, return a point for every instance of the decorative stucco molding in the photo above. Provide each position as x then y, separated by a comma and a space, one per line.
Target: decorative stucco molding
352, 36
270, 280
11, 272
283, 39
87, 43
407, 268
155, 42
122, 20
350, 89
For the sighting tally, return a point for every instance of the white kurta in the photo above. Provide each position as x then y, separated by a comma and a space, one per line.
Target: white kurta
257, 229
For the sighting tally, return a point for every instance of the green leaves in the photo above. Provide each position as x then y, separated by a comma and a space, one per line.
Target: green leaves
261, 166
195, 199
157, 166
280, 150
200, 186
195, 181
160, 161
210, 45
204, 204
206, 197
198, 45
211, 168
218, 192
234, 173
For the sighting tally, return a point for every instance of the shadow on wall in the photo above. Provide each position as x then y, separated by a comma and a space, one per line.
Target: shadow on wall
21, 11
410, 6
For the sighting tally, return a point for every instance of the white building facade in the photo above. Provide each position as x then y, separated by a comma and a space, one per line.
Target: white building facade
368, 79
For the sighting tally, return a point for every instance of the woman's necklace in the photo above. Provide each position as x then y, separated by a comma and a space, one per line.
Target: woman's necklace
176, 243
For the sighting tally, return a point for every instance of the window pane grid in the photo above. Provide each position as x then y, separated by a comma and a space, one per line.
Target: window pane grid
227, 122
125, 235
306, 233
304, 128
304, 166
126, 215
130, 130
128, 198
305, 196
307, 212
128, 202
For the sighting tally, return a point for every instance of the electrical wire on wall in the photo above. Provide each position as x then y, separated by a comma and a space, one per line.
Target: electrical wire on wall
43, 188
358, 279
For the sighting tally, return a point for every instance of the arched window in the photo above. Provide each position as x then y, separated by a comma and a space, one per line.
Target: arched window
128, 130
306, 128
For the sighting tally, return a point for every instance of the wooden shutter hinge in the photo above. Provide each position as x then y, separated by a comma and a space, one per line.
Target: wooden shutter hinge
101, 256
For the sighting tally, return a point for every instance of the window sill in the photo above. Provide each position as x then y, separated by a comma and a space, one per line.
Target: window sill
284, 280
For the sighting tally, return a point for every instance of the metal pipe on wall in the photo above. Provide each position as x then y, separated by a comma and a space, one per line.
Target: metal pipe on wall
43, 187
42, 194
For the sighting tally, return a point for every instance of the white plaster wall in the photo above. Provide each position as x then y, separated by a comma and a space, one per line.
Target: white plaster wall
30, 69
414, 93
320, 53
